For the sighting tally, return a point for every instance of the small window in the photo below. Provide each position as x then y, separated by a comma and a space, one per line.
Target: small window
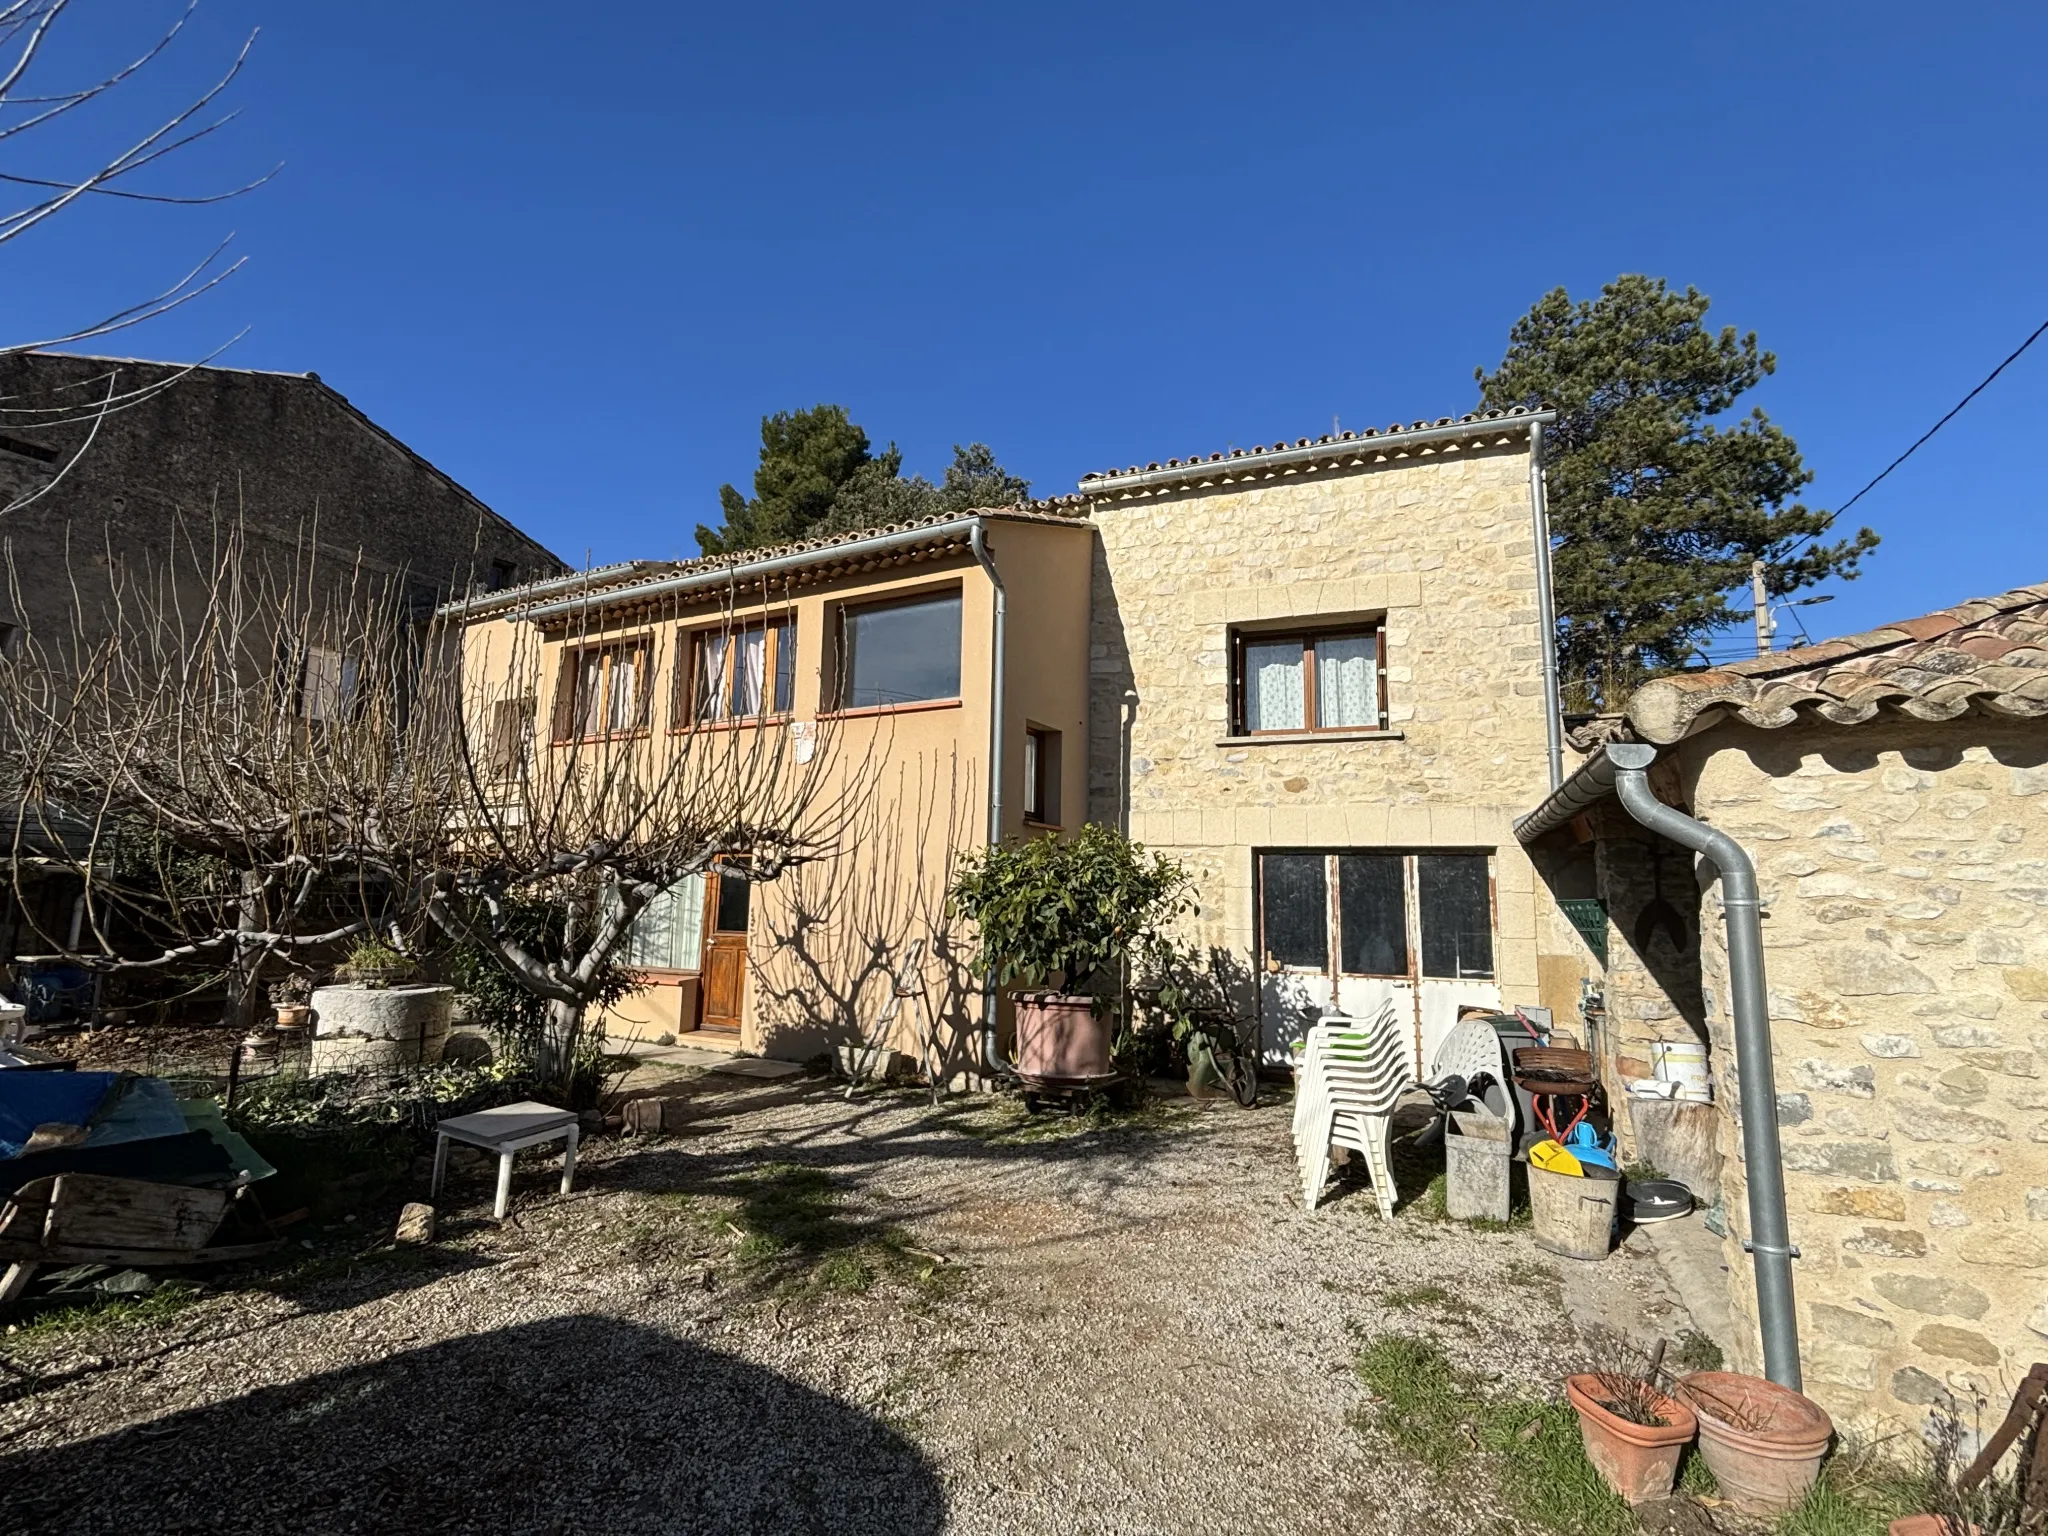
1042, 776
1456, 897
327, 684
602, 692
741, 674
510, 748
503, 574
735, 896
668, 935
1323, 681
900, 653
1294, 917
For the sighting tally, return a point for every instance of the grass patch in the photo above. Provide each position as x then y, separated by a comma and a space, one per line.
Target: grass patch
1010, 1122
1441, 1417
1696, 1352
1413, 1298
796, 1239
1532, 1276
1859, 1494
49, 1317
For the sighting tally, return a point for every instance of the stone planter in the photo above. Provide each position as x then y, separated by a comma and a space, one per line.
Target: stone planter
1763, 1442
380, 1028
1639, 1461
1060, 1038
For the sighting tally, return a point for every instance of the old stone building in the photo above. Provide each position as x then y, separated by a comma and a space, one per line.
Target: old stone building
282, 455
1892, 790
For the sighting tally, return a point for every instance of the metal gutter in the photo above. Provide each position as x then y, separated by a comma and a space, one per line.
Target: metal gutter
1770, 1239
1546, 607
754, 570
1592, 783
1111, 485
991, 1057
514, 597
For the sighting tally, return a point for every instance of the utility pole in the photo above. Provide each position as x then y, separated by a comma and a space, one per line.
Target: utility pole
1765, 624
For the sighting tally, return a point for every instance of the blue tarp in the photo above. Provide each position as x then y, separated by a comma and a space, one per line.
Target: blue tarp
114, 1106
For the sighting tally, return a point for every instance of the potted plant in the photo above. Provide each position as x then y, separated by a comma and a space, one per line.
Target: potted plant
1764, 1443
1634, 1434
292, 997
374, 964
1060, 917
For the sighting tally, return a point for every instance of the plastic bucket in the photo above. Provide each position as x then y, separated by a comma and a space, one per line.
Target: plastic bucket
1573, 1216
1683, 1062
1476, 1168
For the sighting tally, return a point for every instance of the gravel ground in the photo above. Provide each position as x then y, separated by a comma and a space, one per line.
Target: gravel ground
1135, 1329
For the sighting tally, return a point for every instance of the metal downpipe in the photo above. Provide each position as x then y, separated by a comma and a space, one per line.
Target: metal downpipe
977, 540
1546, 608
1770, 1239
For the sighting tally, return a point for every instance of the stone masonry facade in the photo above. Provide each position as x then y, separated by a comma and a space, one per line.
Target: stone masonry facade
1435, 543
1904, 870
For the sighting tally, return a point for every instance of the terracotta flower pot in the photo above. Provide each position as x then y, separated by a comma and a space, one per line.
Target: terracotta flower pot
1763, 1442
1927, 1525
1060, 1036
1639, 1461
293, 1015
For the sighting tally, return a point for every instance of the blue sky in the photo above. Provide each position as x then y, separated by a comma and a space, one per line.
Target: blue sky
573, 256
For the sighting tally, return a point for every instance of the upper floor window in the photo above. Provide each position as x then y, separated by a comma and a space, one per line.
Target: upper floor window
509, 749
503, 574
327, 684
1321, 680
602, 691
900, 653
741, 674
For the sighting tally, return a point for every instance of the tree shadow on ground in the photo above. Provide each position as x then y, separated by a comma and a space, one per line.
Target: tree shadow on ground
572, 1425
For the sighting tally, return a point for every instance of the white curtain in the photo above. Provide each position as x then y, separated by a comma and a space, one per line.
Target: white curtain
748, 672
622, 705
668, 935
1273, 695
1345, 677
711, 676
589, 687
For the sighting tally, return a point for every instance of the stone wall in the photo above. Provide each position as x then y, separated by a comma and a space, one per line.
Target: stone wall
1904, 869
1437, 543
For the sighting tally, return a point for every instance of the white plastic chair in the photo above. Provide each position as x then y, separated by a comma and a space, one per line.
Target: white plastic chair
1351, 1076
1473, 1051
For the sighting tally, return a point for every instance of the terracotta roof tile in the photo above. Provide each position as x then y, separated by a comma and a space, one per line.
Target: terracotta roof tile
1987, 656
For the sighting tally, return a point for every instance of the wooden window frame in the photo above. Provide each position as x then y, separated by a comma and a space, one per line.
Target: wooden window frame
1042, 789
835, 704
683, 706
1411, 909
563, 730
1240, 714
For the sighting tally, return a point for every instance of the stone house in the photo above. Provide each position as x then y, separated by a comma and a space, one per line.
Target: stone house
1314, 671
1892, 790
185, 451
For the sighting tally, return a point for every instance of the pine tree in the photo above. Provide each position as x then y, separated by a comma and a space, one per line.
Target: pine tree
1657, 513
818, 475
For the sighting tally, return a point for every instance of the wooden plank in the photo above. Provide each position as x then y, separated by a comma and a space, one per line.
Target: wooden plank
27, 1209
132, 1258
102, 1212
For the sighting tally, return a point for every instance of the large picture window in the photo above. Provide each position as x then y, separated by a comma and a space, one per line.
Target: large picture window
602, 691
740, 674
899, 653
668, 935
1326, 680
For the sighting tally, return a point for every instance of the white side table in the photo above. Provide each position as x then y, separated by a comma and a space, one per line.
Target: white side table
505, 1130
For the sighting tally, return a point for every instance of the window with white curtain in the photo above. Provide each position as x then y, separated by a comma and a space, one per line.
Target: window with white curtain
743, 674
1319, 681
602, 691
668, 935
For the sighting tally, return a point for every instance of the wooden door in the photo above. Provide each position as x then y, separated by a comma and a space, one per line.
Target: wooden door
724, 976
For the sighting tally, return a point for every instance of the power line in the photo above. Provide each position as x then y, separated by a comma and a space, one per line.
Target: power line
1917, 442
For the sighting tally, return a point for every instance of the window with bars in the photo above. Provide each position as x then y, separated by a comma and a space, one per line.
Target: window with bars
602, 691
742, 673
1315, 680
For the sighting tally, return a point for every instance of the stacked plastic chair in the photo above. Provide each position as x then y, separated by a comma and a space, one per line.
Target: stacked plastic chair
1350, 1076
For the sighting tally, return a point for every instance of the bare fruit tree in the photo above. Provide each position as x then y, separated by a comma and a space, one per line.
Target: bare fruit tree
34, 112
240, 767
579, 790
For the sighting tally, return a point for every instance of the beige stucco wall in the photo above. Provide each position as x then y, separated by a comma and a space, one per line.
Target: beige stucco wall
901, 793
1438, 543
1904, 869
